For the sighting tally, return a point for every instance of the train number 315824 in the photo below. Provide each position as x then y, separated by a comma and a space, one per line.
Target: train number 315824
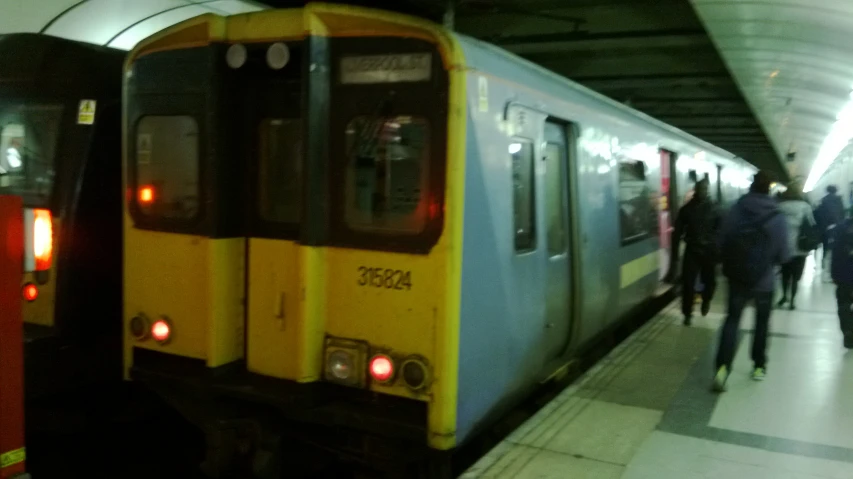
385, 278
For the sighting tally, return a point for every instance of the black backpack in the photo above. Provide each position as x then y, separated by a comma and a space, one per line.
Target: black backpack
809, 236
747, 256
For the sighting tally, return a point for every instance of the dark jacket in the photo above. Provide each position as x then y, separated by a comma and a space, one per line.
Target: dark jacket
830, 211
751, 207
842, 253
698, 223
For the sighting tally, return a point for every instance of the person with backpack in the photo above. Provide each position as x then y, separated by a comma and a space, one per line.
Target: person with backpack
802, 239
697, 222
842, 275
753, 238
828, 213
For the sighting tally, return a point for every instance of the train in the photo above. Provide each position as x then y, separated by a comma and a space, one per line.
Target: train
377, 234
60, 149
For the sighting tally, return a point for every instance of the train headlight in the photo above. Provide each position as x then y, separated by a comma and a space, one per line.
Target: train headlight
278, 56
345, 362
341, 366
415, 373
139, 327
236, 55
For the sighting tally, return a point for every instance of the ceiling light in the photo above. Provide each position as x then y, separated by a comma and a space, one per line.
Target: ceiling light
839, 136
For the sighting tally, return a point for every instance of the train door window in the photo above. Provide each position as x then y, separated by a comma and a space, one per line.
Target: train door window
280, 175
387, 174
167, 166
524, 205
638, 215
28, 140
555, 185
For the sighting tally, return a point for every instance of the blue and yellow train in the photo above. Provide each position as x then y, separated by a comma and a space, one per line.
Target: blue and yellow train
370, 226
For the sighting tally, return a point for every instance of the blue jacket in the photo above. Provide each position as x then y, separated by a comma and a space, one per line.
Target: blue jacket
752, 207
842, 261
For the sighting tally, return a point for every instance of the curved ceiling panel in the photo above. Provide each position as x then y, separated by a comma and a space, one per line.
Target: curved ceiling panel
790, 60
131, 35
117, 23
29, 16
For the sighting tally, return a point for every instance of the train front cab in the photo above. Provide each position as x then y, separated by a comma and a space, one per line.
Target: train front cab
59, 149
292, 223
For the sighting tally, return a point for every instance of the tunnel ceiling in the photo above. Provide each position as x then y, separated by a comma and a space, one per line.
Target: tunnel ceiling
653, 55
115, 23
792, 60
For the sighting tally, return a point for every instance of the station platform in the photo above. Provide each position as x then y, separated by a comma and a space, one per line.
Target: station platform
647, 411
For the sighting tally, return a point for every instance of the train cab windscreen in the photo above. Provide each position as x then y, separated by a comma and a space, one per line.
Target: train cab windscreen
28, 140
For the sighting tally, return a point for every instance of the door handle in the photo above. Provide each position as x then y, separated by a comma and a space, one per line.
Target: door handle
280, 308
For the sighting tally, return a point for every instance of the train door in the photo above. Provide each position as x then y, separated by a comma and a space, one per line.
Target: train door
666, 214
558, 287
272, 146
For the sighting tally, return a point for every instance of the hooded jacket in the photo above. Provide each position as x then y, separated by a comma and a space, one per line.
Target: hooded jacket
752, 207
697, 223
796, 211
830, 211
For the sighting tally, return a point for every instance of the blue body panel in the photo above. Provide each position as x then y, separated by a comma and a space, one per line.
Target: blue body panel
503, 333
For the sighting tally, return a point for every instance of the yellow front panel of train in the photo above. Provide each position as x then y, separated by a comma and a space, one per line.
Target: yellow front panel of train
275, 313
197, 283
392, 301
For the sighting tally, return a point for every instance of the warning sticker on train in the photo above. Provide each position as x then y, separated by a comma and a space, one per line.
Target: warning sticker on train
13, 457
483, 90
86, 112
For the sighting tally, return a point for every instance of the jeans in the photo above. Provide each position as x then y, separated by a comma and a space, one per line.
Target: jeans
844, 296
792, 272
738, 298
694, 266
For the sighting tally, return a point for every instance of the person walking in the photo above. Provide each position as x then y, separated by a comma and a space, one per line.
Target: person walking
801, 230
697, 222
828, 213
753, 238
842, 275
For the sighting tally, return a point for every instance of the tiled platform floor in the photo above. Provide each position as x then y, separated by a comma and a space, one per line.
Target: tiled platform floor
646, 410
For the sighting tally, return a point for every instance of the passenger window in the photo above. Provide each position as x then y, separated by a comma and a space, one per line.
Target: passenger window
636, 204
524, 206
28, 139
554, 205
167, 166
387, 174
280, 172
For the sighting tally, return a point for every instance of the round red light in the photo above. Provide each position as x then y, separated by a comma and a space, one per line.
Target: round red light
381, 368
161, 330
30, 292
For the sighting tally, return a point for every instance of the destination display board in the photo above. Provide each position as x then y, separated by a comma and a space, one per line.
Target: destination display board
395, 68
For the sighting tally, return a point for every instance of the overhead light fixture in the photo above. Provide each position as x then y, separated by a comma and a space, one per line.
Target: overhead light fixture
839, 136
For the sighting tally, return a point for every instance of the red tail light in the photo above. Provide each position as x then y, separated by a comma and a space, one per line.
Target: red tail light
146, 195
30, 292
381, 368
161, 331
42, 239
